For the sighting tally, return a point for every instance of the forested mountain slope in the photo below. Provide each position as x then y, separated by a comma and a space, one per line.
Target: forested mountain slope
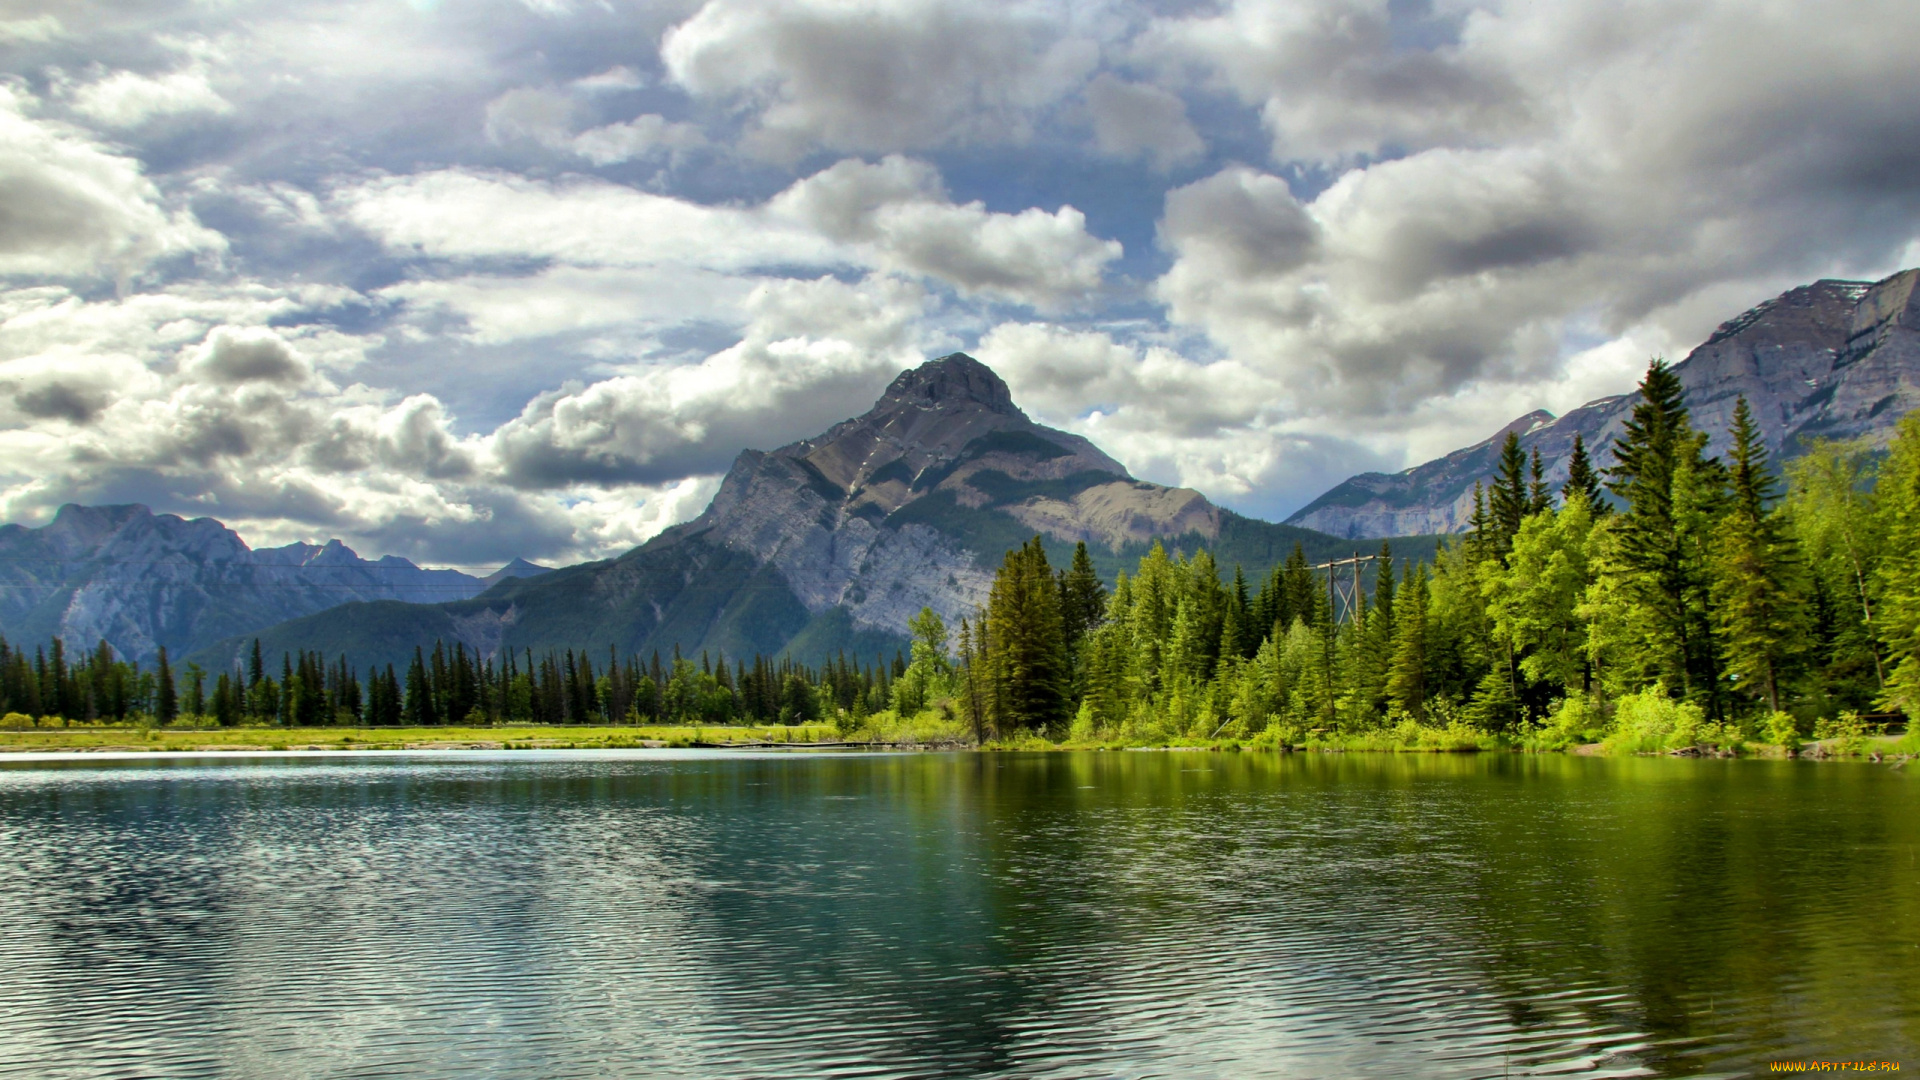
1834, 359
832, 543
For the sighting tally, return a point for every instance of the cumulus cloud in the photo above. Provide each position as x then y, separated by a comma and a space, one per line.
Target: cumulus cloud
898, 211
1173, 419
573, 220
1131, 120
1334, 82
126, 99
882, 76
70, 207
894, 216
577, 300
549, 117
812, 347
644, 136
255, 354
1544, 183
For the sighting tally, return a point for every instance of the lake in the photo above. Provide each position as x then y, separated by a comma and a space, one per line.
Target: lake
1183, 914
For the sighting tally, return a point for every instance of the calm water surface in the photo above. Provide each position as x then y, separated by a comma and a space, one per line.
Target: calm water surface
1057, 915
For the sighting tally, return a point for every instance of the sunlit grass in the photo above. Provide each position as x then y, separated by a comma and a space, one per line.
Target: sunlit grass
513, 737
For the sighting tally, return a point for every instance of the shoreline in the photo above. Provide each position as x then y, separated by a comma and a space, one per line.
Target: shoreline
101, 744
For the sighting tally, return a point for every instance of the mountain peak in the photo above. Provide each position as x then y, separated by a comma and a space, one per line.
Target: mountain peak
954, 379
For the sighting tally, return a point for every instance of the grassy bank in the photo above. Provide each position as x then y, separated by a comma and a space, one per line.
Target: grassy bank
517, 737
930, 729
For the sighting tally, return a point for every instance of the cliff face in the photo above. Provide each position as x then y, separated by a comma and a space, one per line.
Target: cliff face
142, 580
1835, 359
833, 543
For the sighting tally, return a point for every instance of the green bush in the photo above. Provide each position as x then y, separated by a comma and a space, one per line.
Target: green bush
1780, 729
1650, 722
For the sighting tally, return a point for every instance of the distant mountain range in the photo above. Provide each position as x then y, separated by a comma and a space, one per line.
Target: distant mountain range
142, 580
1835, 359
831, 543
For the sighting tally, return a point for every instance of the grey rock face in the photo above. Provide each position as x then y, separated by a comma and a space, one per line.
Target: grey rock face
142, 580
1835, 359
842, 516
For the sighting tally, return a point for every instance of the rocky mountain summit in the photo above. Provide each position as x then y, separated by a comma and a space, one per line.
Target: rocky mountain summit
1834, 359
142, 580
832, 543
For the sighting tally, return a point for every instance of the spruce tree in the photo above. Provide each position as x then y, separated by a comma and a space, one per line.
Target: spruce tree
1083, 599
1028, 642
166, 704
1673, 496
1539, 499
1407, 674
1511, 499
1480, 543
1758, 608
1582, 478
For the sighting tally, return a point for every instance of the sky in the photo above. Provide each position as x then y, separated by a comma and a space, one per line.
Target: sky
465, 281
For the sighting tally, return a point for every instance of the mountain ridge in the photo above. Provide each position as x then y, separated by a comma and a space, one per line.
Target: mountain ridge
1832, 359
141, 580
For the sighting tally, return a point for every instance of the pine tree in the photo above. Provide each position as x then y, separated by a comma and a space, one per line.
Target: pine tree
1510, 499
1028, 657
1083, 599
1407, 674
1582, 478
1480, 543
1674, 496
1539, 499
166, 704
1759, 610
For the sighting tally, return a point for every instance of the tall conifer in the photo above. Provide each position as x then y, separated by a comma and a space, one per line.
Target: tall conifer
1760, 616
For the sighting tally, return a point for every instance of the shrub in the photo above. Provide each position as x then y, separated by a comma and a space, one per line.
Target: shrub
1780, 729
1847, 733
16, 721
1650, 722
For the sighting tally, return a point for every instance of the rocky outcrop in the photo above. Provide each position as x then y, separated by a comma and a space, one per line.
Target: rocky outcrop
1835, 359
141, 580
833, 513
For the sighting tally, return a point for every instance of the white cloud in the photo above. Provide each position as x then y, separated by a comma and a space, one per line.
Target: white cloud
891, 216
1171, 419
1332, 82
812, 347
898, 213
572, 300
74, 208
883, 75
642, 137
575, 220
126, 99
37, 29
1555, 174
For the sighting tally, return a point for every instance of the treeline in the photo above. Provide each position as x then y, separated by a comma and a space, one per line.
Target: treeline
444, 686
1672, 573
